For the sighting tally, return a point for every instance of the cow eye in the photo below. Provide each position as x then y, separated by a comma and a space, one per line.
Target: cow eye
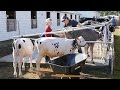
23, 40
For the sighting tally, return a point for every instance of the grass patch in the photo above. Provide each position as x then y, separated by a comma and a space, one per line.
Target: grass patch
117, 53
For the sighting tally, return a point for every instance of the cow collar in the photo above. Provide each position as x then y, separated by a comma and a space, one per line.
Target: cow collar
74, 44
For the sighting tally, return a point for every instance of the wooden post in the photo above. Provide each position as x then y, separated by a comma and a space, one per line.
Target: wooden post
112, 52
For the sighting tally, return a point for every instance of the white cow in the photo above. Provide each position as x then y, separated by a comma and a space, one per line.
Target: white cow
22, 47
55, 46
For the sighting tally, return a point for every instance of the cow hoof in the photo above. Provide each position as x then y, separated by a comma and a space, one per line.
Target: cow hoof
20, 74
15, 75
23, 68
86, 61
32, 68
92, 62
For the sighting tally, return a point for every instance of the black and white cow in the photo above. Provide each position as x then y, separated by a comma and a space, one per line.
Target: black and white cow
22, 48
55, 46
100, 20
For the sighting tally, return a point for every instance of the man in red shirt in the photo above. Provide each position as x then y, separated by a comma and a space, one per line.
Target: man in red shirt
48, 27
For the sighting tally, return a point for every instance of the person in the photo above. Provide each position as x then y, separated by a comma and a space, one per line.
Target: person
72, 23
113, 24
69, 22
113, 21
48, 27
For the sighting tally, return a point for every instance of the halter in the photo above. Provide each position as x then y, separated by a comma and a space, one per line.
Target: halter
75, 44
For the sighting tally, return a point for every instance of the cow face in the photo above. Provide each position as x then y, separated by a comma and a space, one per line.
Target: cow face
81, 41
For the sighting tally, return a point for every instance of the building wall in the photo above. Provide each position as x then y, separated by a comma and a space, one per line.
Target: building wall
4, 35
24, 23
89, 14
24, 19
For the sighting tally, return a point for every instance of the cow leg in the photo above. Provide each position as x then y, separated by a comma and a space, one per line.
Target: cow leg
19, 65
38, 62
23, 66
14, 64
91, 52
31, 66
86, 50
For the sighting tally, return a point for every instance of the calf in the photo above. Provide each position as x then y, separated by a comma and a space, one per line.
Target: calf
55, 46
22, 47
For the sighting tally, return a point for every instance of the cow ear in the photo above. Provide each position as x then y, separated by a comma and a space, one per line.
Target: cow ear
77, 38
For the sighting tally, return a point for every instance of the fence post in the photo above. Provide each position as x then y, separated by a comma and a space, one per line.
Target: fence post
113, 55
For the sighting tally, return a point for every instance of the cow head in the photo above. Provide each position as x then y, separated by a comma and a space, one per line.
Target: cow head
81, 41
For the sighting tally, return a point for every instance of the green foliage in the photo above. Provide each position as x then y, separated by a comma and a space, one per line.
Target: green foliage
117, 54
104, 13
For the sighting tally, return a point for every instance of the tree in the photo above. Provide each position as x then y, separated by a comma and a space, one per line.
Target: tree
104, 13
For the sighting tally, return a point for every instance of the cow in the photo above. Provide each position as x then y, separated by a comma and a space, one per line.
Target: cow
99, 33
56, 47
22, 47
88, 35
100, 20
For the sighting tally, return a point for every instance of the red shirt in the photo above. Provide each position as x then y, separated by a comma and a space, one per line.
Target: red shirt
48, 29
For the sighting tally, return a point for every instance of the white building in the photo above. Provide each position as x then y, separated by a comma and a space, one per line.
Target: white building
13, 23
89, 14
